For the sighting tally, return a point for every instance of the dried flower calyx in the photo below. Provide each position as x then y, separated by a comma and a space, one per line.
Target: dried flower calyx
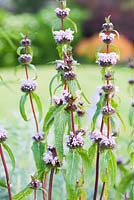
3, 135
28, 85
51, 158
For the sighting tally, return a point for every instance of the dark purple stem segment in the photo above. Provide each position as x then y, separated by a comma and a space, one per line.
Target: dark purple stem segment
50, 184
102, 191
44, 187
6, 172
35, 194
97, 172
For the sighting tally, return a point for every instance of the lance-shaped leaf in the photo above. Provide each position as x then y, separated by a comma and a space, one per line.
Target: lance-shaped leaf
99, 106
82, 93
19, 50
85, 163
73, 87
125, 182
38, 149
51, 85
22, 106
112, 165
23, 194
10, 154
131, 116
39, 104
34, 69
92, 154
60, 121
72, 173
49, 118
73, 23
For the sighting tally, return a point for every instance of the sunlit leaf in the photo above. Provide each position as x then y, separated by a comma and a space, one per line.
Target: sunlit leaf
22, 106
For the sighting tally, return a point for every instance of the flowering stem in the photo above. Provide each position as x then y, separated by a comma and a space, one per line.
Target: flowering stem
72, 119
31, 102
6, 172
34, 114
97, 164
102, 191
50, 184
97, 172
34, 194
44, 187
62, 24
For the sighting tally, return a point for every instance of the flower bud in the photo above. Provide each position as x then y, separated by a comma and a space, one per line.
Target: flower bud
35, 184
25, 59
108, 27
3, 135
69, 75
25, 42
28, 85
108, 110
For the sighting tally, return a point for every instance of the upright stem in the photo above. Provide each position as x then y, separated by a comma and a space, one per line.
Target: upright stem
72, 119
97, 164
34, 194
6, 172
31, 102
44, 187
34, 113
97, 172
50, 184
102, 191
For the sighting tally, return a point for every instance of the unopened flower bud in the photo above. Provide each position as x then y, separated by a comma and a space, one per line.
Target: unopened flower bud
108, 27
28, 85
38, 137
3, 135
25, 59
35, 184
25, 42
108, 110
62, 13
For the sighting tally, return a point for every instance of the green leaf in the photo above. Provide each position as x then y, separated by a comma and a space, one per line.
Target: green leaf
7, 38
34, 69
125, 182
39, 104
121, 120
72, 168
112, 165
100, 48
11, 156
51, 84
131, 116
73, 23
30, 50
22, 106
23, 194
115, 48
82, 93
86, 164
3, 184
92, 154
38, 149
60, 52
73, 87
72, 173
19, 50
49, 118
60, 121
99, 106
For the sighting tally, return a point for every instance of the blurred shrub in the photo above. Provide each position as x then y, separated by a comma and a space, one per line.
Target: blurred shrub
39, 27
87, 47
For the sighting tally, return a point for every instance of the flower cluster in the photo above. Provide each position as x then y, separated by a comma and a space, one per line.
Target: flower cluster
38, 137
108, 110
3, 135
107, 38
103, 140
51, 158
107, 59
25, 59
75, 140
28, 85
35, 184
63, 36
62, 13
